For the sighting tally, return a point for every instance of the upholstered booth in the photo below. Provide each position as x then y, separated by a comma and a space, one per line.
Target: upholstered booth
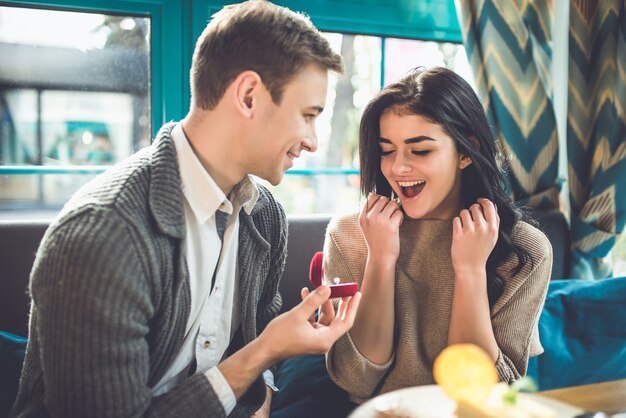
570, 305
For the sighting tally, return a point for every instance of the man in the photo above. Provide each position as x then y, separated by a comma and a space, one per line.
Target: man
154, 291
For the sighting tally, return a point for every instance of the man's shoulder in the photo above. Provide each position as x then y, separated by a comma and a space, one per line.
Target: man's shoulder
130, 187
267, 207
125, 184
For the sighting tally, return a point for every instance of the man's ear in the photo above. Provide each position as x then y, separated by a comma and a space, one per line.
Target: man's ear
247, 88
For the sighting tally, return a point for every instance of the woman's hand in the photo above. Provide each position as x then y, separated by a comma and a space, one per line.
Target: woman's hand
474, 236
380, 221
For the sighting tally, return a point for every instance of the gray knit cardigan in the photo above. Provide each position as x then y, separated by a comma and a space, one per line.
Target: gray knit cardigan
111, 297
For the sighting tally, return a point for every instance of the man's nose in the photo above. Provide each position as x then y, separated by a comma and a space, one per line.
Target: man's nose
310, 141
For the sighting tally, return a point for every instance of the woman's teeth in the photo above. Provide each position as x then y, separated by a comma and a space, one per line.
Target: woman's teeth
411, 183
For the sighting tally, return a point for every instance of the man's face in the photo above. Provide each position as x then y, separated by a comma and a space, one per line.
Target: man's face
286, 129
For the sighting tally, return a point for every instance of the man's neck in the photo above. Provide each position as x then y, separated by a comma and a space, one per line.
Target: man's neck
211, 143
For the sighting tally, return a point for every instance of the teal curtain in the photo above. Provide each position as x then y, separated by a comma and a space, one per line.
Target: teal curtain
596, 132
508, 43
509, 46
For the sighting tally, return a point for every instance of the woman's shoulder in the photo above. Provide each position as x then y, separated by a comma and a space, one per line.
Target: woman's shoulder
532, 239
345, 232
345, 249
344, 224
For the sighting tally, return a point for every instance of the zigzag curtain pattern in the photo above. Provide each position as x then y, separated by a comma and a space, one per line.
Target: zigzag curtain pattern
596, 132
508, 43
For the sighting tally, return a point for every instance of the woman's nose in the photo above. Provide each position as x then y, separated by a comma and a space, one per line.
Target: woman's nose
400, 164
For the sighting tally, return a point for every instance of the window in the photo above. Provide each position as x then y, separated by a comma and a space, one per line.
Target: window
75, 93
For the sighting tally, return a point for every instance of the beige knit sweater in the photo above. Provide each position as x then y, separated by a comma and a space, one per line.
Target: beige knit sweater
424, 287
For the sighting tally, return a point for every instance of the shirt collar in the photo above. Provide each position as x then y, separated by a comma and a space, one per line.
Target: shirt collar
200, 190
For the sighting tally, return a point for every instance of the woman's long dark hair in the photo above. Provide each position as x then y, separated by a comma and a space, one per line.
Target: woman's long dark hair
445, 98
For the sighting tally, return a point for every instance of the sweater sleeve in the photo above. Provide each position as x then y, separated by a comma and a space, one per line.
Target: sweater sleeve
515, 315
347, 367
93, 299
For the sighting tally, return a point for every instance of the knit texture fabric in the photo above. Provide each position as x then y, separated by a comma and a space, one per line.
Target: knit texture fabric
111, 297
424, 287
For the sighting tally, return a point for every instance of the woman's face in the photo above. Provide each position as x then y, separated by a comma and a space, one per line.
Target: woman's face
422, 165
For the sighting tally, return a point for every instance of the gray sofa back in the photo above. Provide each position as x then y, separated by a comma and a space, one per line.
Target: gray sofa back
19, 241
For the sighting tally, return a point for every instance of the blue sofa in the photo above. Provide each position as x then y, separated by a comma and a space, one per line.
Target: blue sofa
582, 327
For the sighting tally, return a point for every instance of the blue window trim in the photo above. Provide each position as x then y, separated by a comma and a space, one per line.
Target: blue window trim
433, 20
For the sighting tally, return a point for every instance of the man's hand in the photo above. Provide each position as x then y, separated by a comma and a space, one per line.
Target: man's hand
296, 333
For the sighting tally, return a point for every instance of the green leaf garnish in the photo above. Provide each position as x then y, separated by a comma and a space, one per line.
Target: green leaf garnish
525, 384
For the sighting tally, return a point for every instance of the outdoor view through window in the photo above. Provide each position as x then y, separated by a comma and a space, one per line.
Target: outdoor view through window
75, 92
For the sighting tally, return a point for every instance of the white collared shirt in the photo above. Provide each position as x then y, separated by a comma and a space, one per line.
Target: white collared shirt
214, 315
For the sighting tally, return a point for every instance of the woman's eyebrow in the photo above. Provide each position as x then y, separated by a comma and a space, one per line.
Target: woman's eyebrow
413, 140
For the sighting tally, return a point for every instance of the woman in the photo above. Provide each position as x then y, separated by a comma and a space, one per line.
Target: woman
446, 261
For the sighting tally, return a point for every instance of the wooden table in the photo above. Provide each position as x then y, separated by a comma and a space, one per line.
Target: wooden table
608, 397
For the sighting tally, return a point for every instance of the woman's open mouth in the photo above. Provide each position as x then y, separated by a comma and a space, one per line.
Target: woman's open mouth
410, 189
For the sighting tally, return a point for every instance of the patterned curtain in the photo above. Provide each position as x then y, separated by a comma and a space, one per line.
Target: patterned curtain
508, 43
596, 132
509, 46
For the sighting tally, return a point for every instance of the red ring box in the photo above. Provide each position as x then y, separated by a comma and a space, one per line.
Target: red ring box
316, 276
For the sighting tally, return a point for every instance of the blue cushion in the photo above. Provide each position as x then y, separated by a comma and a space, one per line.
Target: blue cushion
305, 390
583, 331
12, 350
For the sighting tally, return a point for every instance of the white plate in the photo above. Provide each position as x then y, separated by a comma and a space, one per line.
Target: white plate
431, 402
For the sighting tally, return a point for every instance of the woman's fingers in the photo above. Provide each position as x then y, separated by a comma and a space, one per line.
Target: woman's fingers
466, 220
397, 216
478, 217
380, 204
489, 210
457, 226
372, 199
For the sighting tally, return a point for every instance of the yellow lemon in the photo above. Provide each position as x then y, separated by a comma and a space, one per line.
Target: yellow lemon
465, 372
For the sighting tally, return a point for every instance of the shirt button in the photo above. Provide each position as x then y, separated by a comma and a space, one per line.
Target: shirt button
206, 344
